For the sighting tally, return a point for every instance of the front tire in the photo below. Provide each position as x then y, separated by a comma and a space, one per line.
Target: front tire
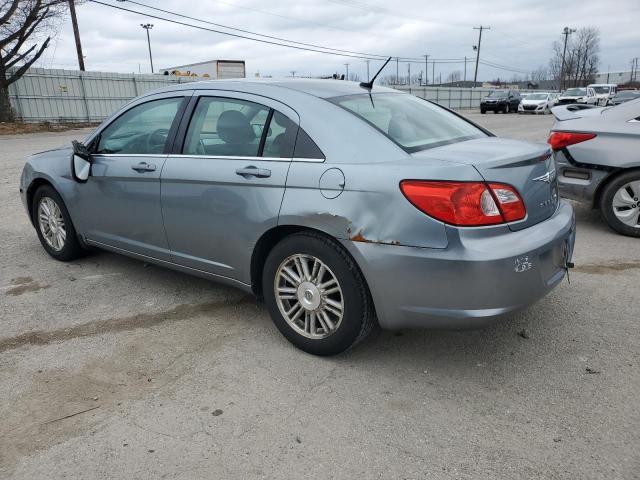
316, 294
54, 226
483, 111
620, 204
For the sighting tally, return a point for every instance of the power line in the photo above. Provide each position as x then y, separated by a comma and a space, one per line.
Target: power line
296, 45
382, 57
236, 35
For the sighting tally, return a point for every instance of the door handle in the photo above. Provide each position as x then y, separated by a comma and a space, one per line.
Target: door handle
252, 171
144, 167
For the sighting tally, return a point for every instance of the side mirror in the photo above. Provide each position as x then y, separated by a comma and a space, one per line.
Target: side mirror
80, 162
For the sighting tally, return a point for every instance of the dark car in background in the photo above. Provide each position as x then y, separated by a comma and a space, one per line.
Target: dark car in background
504, 101
624, 96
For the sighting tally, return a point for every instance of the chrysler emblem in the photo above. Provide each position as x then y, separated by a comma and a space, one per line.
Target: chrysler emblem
547, 177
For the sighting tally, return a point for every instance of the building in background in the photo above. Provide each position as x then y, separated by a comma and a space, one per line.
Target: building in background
618, 77
213, 69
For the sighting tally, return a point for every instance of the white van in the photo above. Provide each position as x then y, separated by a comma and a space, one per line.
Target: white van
600, 93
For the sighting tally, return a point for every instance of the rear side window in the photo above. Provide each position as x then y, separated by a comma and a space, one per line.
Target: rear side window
142, 129
412, 123
281, 137
307, 148
226, 127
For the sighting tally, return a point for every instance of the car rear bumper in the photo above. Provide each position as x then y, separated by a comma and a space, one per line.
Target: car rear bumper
578, 182
482, 275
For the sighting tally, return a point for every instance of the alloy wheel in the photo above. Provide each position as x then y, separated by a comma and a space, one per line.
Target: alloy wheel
309, 296
51, 223
626, 204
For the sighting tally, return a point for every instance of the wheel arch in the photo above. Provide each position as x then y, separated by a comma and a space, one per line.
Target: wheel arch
31, 190
597, 196
270, 238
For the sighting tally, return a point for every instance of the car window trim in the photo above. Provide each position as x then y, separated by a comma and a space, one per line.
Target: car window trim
245, 158
265, 131
97, 133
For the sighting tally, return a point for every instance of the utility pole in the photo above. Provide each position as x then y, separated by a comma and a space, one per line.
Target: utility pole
293, 73
367, 62
634, 70
76, 33
566, 32
409, 76
465, 69
433, 72
147, 27
347, 65
481, 28
397, 72
426, 70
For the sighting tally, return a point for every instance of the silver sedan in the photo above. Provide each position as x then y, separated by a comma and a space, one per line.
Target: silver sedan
596, 150
341, 205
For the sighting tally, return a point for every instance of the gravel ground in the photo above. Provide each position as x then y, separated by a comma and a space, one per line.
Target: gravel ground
110, 368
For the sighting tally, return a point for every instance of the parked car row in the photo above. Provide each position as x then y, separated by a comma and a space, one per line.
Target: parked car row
506, 101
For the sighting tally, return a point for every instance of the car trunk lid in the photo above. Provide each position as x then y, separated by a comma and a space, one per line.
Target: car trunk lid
529, 167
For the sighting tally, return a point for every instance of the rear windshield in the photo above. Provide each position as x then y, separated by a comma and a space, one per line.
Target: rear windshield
411, 122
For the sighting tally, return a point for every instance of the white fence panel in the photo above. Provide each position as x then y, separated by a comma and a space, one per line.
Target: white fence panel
72, 96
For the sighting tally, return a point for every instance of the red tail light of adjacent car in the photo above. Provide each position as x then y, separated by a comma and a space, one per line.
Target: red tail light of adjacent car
560, 140
468, 204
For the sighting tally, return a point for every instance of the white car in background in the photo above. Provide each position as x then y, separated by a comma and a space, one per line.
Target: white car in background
600, 93
540, 102
572, 95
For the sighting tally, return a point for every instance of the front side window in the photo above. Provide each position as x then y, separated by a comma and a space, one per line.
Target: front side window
141, 130
412, 123
226, 127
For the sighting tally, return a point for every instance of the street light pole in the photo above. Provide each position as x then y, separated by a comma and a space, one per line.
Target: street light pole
347, 65
367, 61
147, 27
566, 32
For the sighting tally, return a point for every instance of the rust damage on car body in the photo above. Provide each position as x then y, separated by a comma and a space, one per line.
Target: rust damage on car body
359, 237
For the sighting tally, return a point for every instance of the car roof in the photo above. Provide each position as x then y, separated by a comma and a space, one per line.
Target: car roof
316, 87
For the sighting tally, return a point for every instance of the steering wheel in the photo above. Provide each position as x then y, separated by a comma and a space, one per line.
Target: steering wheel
156, 140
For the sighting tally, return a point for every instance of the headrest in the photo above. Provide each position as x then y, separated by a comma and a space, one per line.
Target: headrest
234, 127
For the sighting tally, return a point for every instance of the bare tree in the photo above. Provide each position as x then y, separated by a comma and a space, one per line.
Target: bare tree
454, 76
581, 59
23, 39
539, 75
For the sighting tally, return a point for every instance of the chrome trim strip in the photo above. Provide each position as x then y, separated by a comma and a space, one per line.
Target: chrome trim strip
164, 262
213, 157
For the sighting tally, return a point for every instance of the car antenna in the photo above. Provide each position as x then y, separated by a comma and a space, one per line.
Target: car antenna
369, 84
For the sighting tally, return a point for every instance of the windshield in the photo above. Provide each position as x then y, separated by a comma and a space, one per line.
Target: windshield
601, 89
537, 96
575, 92
411, 122
497, 94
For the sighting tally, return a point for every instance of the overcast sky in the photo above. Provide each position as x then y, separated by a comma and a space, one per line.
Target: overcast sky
520, 37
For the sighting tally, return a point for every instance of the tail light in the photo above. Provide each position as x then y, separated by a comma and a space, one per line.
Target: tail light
560, 140
469, 204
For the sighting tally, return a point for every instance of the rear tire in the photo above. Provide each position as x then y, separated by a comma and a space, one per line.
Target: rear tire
54, 226
483, 111
620, 204
311, 322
